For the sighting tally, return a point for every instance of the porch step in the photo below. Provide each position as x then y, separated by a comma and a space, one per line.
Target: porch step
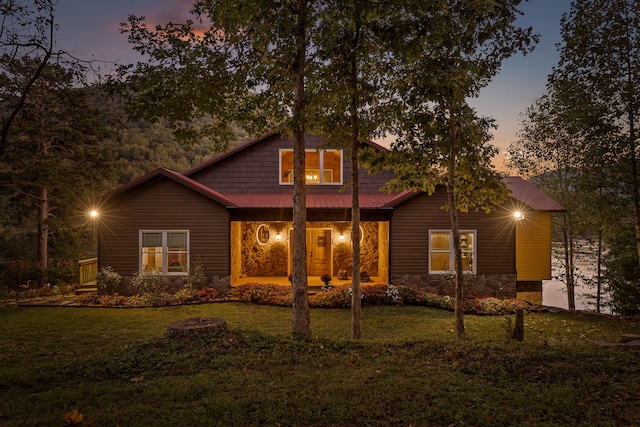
86, 288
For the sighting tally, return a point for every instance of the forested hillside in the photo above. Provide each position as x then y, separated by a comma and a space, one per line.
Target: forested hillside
93, 148
137, 147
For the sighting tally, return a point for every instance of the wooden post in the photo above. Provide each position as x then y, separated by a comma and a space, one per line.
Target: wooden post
518, 329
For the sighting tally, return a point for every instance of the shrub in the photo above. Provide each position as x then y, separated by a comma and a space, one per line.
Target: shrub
61, 272
108, 281
264, 294
197, 278
339, 296
149, 283
190, 295
19, 274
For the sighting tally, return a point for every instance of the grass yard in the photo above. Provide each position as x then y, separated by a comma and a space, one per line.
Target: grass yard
111, 367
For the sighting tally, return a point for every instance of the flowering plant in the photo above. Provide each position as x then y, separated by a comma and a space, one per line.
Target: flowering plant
393, 293
326, 287
107, 280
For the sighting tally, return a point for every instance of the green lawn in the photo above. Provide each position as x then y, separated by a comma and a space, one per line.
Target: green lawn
113, 367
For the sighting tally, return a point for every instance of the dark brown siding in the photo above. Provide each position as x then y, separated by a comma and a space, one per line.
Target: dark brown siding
255, 169
162, 204
412, 220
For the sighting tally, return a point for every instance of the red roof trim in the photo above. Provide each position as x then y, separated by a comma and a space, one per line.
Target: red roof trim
175, 176
314, 201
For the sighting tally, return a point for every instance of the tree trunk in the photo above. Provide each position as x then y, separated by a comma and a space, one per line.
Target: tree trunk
599, 273
356, 300
453, 210
568, 264
355, 236
301, 322
43, 232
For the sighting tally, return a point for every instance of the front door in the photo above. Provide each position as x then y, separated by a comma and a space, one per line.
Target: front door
318, 251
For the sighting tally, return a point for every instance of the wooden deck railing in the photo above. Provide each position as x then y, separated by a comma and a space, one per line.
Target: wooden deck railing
88, 270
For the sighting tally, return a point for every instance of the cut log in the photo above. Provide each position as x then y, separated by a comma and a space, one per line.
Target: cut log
195, 327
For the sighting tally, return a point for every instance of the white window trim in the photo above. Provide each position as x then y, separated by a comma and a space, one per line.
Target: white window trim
451, 251
165, 255
321, 169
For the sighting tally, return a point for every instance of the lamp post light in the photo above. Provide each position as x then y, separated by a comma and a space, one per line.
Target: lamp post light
518, 215
94, 218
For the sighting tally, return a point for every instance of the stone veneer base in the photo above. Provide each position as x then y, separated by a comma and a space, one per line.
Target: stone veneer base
499, 286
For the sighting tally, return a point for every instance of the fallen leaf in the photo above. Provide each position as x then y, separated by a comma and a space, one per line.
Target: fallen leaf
137, 379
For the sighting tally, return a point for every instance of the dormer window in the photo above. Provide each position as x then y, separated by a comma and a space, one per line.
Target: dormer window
322, 167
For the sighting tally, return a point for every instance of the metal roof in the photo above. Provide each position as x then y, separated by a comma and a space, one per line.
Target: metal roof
314, 201
530, 195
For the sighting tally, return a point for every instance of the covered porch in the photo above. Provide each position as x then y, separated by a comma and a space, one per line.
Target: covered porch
261, 251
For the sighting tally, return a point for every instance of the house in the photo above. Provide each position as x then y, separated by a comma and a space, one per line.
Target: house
233, 213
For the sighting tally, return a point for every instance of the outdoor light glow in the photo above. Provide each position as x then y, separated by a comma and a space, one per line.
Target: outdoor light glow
278, 237
342, 237
518, 215
93, 213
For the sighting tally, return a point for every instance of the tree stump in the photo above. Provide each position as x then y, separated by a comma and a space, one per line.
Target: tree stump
195, 327
518, 329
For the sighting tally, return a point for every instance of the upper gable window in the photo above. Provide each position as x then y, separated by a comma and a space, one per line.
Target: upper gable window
322, 166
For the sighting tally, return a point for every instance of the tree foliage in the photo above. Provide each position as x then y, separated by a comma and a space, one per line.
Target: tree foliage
54, 146
445, 52
123, 150
245, 65
27, 39
597, 75
581, 141
552, 150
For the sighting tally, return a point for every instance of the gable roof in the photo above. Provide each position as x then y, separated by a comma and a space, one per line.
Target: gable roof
220, 156
527, 193
174, 176
246, 144
519, 190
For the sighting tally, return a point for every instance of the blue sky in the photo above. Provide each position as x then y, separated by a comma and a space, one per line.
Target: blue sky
90, 29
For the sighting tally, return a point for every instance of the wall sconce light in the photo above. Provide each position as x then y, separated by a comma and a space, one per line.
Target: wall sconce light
342, 237
519, 216
278, 237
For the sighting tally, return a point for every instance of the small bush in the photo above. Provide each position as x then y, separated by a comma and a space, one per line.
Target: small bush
190, 295
61, 272
149, 283
19, 274
197, 278
264, 294
108, 281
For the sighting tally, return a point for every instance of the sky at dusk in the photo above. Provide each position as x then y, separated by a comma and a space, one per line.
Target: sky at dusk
90, 30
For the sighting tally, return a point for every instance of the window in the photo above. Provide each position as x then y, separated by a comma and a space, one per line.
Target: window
322, 166
441, 257
164, 252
